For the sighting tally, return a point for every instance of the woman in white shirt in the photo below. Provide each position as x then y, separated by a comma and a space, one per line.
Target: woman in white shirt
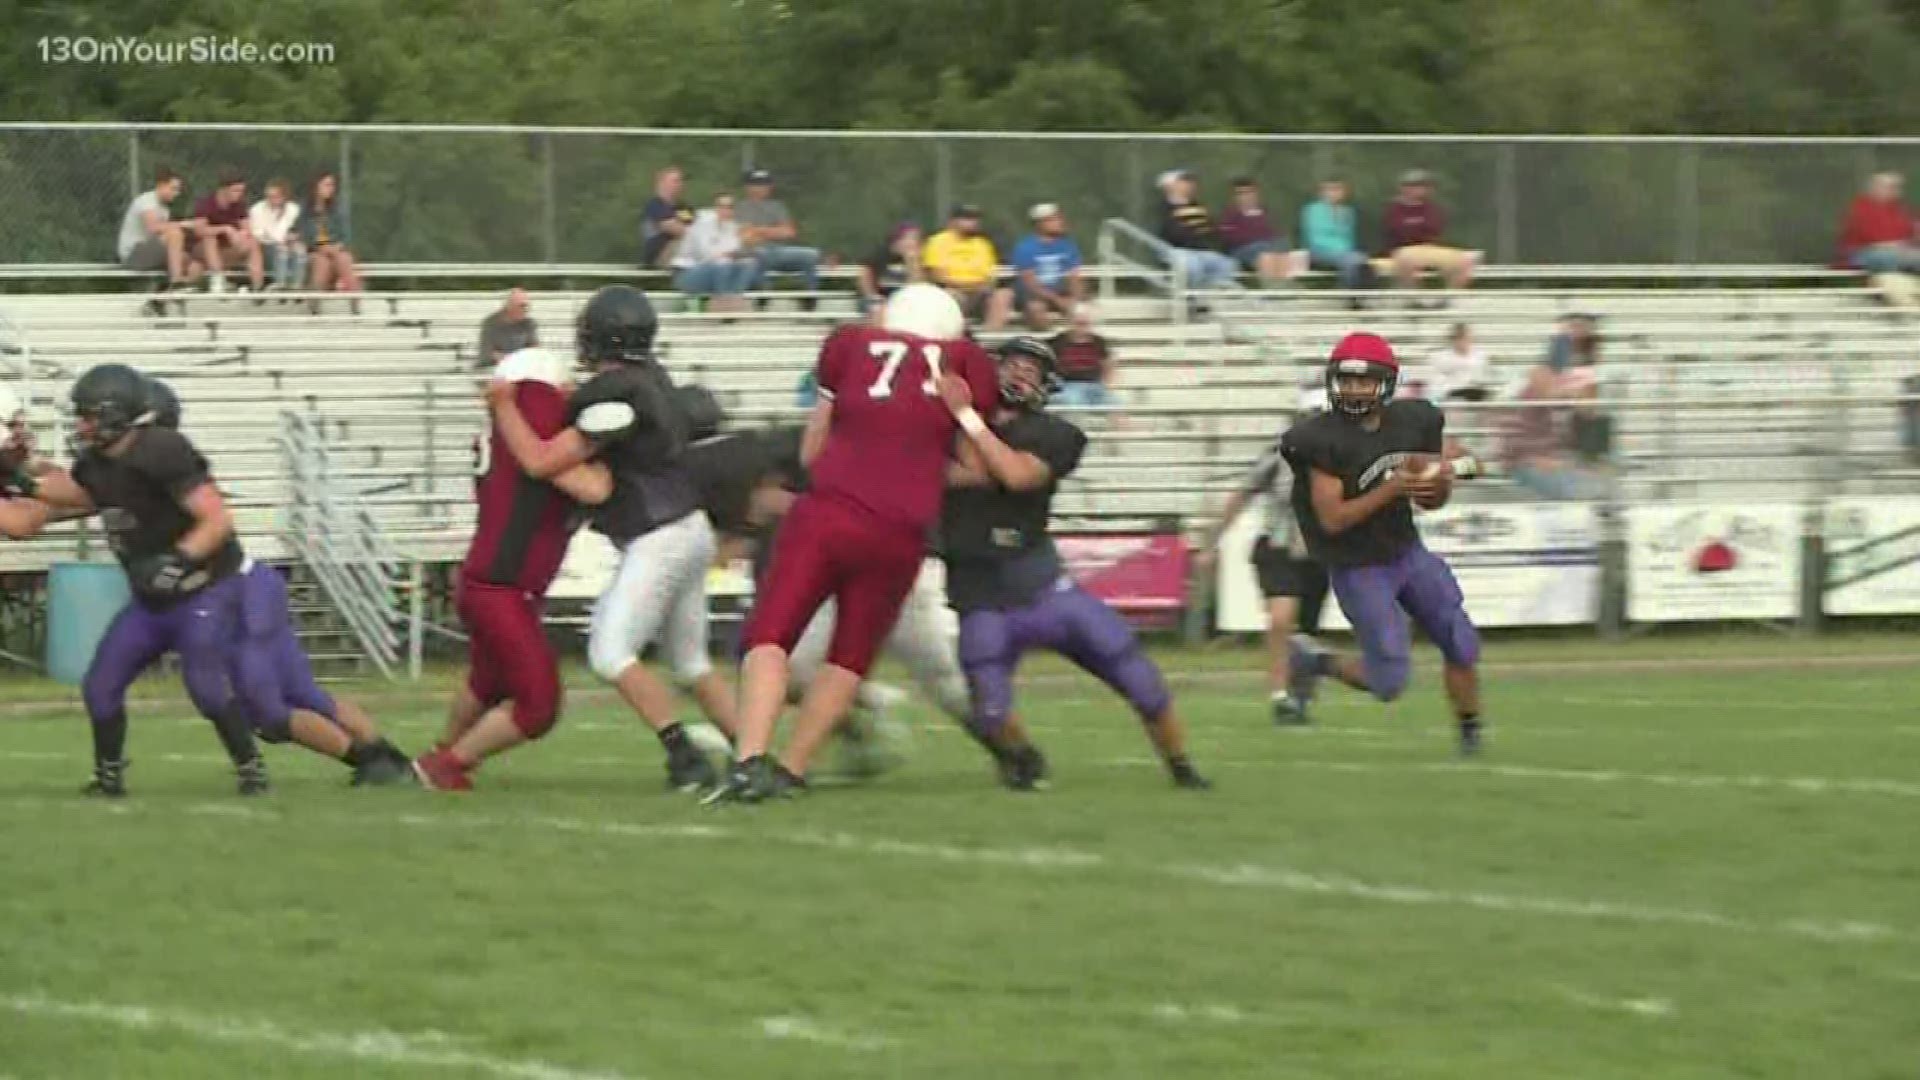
1460, 370
272, 222
711, 260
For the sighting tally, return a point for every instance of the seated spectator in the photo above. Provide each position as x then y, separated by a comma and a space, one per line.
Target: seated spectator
962, 260
1250, 238
1188, 228
220, 230
767, 229
149, 240
1331, 234
664, 220
1046, 267
1416, 227
1084, 361
892, 265
272, 221
1556, 450
507, 330
713, 261
1878, 235
1459, 372
325, 232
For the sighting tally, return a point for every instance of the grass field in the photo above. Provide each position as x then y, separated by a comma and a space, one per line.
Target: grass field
1655, 872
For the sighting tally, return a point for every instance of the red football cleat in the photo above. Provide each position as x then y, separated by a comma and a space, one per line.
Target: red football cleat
439, 770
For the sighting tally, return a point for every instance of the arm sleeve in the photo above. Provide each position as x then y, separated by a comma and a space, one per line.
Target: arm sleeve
982, 378
1304, 448
1265, 470
1062, 448
602, 412
170, 461
831, 367
543, 406
1433, 431
1023, 256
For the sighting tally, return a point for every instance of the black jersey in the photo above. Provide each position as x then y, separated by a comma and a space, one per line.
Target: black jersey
1338, 444
628, 413
726, 469
138, 494
994, 540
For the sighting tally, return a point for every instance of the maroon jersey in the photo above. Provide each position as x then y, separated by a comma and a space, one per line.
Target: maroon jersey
887, 450
524, 523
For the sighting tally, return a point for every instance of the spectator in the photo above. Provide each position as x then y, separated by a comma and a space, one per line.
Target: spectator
664, 220
1415, 226
1332, 236
892, 265
1046, 266
1459, 372
712, 261
1085, 363
1878, 235
1248, 235
325, 231
150, 241
1552, 449
507, 330
1188, 228
272, 221
962, 260
220, 228
767, 229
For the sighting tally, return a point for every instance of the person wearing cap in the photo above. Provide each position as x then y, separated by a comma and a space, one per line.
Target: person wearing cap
1415, 226
891, 266
961, 259
1046, 266
1187, 228
1250, 237
767, 230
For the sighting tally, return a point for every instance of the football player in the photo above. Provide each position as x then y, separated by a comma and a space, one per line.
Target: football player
1006, 580
627, 417
1358, 470
519, 542
1294, 585
272, 675
170, 528
876, 449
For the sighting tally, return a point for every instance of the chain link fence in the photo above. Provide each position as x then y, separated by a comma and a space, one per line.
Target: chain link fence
438, 194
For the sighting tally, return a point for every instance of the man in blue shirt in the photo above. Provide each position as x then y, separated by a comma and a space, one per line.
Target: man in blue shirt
1047, 268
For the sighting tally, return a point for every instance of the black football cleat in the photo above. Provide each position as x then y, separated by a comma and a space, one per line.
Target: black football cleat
382, 765
1023, 768
749, 781
787, 784
1470, 738
251, 778
1186, 777
1289, 711
109, 781
690, 770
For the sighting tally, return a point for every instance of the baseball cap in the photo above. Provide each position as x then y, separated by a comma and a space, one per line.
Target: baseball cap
1171, 175
1416, 176
965, 210
1042, 211
757, 176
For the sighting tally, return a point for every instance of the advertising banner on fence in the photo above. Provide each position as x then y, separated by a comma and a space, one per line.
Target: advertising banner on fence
1131, 571
1519, 564
1873, 556
1693, 561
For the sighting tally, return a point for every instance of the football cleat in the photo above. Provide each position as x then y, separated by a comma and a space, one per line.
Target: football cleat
109, 780
1023, 768
1288, 711
439, 770
382, 765
690, 770
1186, 776
748, 781
251, 777
786, 783
1308, 661
1470, 738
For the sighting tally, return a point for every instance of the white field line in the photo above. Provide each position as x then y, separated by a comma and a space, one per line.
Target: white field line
1800, 785
1063, 859
803, 1029
422, 1050
1650, 1008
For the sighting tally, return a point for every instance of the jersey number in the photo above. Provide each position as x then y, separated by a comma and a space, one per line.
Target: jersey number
890, 354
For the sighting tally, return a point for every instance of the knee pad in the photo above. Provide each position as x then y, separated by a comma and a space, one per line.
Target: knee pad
1140, 681
1387, 678
690, 671
535, 720
609, 657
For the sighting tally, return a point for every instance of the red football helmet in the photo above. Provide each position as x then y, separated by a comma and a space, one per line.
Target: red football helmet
1367, 356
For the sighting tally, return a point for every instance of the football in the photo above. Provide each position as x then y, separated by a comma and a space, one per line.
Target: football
1420, 466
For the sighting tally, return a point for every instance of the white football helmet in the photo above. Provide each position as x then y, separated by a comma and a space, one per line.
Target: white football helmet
926, 311
535, 365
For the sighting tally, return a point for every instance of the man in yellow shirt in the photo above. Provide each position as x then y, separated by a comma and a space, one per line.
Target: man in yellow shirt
961, 258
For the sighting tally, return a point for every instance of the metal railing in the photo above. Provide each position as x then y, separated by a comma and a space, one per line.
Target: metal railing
339, 540
573, 194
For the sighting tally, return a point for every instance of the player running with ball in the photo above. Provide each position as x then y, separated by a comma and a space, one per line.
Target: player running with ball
1356, 468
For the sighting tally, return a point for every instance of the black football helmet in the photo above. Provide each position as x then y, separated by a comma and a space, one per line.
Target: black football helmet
163, 404
618, 325
113, 399
1017, 390
699, 410
1367, 356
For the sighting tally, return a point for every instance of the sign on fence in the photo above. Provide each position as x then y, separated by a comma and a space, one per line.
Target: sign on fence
1693, 561
1873, 556
1131, 571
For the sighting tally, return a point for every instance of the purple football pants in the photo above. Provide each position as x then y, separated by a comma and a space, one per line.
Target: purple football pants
270, 670
1418, 583
200, 629
1070, 622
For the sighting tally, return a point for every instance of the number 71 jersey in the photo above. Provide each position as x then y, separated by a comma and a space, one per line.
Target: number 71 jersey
891, 437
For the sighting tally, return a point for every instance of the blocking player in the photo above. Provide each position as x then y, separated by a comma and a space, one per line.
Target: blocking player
876, 450
1006, 580
626, 416
519, 542
170, 528
271, 673
1356, 469
1295, 587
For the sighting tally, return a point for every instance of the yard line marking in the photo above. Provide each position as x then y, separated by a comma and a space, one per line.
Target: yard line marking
1209, 1013
1651, 1008
1243, 875
803, 1029
431, 1049
1802, 785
